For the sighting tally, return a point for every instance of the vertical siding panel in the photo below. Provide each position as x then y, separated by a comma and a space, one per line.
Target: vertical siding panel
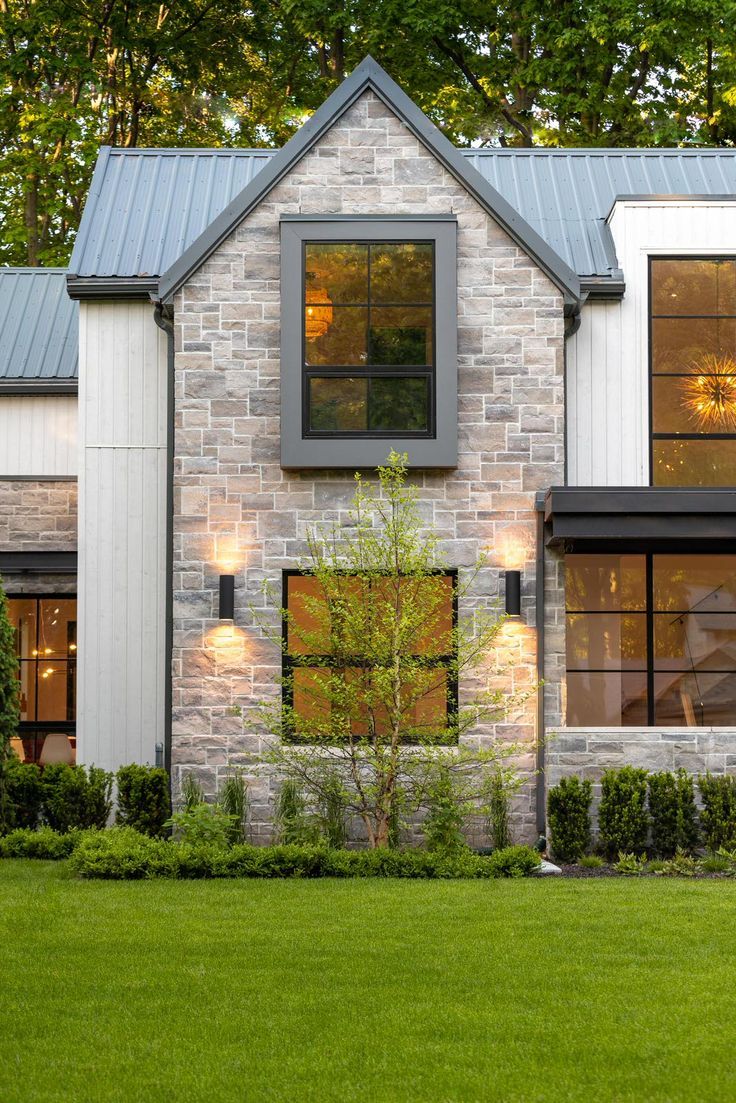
122, 564
38, 435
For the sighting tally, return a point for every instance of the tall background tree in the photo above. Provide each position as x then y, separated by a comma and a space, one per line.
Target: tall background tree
77, 74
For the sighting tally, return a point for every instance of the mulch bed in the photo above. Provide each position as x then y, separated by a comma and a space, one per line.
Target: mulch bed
580, 872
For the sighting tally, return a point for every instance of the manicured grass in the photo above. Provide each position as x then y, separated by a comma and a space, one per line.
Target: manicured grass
364, 990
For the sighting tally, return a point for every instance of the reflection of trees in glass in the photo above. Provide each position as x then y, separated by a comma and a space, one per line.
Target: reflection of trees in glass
399, 404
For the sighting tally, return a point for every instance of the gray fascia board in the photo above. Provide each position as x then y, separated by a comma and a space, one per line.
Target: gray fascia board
370, 75
42, 386
111, 287
701, 197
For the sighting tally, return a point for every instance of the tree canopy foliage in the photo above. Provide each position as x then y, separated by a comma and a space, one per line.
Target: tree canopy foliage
77, 74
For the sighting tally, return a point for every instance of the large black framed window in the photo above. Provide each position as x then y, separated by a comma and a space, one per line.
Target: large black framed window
46, 645
368, 357
693, 370
368, 338
651, 640
314, 675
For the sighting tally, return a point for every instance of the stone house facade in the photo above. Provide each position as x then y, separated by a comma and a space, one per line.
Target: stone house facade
556, 386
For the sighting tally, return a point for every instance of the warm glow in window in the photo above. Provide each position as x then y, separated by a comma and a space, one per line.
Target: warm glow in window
46, 646
693, 360
334, 664
669, 660
368, 338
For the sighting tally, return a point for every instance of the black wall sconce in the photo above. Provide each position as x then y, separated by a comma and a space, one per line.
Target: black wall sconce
227, 597
513, 593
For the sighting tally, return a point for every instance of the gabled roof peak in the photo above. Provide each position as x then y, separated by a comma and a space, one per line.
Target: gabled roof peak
370, 76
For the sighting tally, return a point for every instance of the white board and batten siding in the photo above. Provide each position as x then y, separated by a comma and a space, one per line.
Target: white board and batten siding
38, 436
122, 525
608, 358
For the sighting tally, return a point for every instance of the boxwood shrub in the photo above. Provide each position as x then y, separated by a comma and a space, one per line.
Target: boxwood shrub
718, 814
673, 812
622, 817
568, 812
143, 799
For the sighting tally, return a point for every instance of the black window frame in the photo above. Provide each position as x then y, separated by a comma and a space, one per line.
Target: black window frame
36, 729
346, 371
289, 663
651, 260
649, 613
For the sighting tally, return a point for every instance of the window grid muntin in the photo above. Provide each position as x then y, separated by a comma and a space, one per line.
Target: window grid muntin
355, 371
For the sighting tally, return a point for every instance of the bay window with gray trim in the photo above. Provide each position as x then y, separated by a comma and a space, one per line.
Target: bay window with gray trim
369, 361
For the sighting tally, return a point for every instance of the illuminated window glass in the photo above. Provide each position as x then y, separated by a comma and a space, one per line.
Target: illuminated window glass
669, 660
693, 371
329, 676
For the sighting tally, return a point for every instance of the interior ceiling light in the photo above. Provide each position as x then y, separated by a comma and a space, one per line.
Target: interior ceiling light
318, 313
709, 393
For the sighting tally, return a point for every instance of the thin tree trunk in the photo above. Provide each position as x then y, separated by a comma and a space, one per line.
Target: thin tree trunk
31, 219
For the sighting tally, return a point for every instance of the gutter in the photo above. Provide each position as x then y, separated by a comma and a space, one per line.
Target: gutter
111, 287
164, 318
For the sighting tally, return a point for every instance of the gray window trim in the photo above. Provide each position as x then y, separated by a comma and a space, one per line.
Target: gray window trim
441, 450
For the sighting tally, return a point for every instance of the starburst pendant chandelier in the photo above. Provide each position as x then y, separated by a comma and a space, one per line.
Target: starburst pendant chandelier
709, 393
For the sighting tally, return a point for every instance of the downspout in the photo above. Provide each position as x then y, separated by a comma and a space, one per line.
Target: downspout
573, 317
541, 791
164, 317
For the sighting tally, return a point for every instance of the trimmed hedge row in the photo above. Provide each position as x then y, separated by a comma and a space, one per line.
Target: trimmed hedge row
123, 854
642, 811
118, 855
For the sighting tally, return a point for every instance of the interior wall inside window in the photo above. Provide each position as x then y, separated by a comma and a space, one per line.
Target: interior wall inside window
46, 647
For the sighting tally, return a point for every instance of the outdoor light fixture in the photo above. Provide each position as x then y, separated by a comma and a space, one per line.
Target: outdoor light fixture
227, 596
513, 593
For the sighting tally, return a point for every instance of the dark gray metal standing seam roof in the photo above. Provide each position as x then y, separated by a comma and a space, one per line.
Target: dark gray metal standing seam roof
38, 327
146, 206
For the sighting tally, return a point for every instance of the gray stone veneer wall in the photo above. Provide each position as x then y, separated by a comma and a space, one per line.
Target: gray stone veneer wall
588, 753
237, 510
38, 515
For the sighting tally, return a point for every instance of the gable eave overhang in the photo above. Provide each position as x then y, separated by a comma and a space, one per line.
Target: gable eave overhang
657, 199
369, 76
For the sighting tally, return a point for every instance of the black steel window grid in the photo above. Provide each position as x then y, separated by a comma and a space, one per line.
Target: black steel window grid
347, 371
675, 375
291, 662
649, 613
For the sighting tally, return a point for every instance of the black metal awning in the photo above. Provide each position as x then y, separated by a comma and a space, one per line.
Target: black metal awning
38, 562
694, 519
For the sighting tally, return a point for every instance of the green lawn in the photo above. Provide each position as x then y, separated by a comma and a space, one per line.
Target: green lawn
365, 990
